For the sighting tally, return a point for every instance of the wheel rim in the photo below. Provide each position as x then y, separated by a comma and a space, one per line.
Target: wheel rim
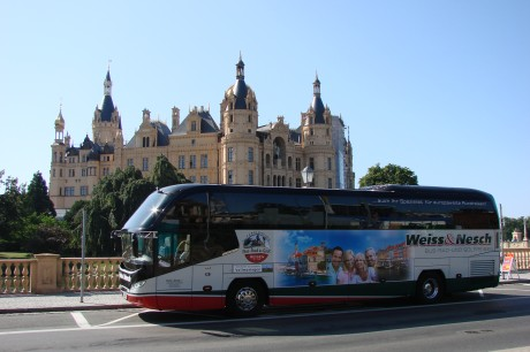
430, 289
246, 299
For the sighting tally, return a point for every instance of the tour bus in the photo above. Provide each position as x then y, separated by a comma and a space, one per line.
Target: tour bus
239, 248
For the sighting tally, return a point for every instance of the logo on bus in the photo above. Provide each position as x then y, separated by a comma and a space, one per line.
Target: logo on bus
256, 247
447, 240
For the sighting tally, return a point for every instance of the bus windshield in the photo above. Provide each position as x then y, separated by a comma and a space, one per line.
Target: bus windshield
145, 216
138, 247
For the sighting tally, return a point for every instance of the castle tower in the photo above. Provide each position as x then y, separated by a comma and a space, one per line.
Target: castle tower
317, 138
107, 120
58, 159
239, 145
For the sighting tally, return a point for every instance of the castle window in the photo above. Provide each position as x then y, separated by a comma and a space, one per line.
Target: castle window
298, 164
145, 142
69, 191
230, 177
204, 179
250, 177
145, 164
194, 126
130, 162
84, 190
230, 154
193, 161
182, 162
312, 163
204, 161
250, 154
329, 164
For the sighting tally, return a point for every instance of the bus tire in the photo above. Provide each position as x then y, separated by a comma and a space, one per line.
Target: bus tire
245, 299
429, 288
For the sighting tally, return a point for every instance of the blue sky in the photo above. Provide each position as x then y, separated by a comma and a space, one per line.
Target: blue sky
440, 87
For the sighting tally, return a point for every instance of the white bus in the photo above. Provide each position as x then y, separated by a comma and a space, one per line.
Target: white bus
198, 247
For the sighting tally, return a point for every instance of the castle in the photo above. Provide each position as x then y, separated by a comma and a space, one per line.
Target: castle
237, 151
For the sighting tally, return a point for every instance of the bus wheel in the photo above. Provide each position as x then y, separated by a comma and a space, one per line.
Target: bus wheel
429, 288
245, 299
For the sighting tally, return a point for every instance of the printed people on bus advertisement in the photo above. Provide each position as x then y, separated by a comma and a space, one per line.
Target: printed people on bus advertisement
334, 269
328, 258
348, 274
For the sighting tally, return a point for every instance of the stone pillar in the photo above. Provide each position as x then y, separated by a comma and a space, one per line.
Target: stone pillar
46, 275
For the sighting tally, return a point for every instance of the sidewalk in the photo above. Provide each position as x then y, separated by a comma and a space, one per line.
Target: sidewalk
94, 300
66, 301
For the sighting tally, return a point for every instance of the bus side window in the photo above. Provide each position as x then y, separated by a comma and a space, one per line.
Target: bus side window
345, 213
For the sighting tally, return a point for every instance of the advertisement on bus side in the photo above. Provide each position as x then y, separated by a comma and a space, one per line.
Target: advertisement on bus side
298, 257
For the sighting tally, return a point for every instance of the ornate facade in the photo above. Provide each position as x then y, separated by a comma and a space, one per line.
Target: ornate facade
238, 151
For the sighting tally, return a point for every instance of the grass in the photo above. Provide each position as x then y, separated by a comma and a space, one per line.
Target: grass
15, 255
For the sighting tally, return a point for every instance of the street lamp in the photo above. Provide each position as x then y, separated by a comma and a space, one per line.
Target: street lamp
307, 176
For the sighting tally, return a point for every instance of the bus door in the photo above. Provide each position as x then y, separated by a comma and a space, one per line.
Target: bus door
182, 249
173, 272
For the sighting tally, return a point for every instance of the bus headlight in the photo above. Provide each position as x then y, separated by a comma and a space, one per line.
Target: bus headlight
138, 285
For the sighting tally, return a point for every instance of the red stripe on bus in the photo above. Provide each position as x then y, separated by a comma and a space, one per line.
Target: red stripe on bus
180, 302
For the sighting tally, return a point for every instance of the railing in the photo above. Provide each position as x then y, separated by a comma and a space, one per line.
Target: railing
49, 273
100, 274
15, 275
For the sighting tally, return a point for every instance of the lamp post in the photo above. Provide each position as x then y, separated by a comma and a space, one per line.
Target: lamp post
307, 176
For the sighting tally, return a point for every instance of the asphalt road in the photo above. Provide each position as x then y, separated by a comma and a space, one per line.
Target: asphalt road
491, 320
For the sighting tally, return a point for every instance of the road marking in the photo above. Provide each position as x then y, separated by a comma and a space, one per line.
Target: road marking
80, 320
122, 318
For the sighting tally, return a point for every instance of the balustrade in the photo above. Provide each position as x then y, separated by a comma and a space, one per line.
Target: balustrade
49, 273
15, 276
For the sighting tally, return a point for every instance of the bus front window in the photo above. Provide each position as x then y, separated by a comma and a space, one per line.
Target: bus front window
138, 247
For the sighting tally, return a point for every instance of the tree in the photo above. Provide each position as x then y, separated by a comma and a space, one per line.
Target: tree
37, 199
165, 174
390, 174
74, 220
11, 211
45, 234
510, 225
114, 200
